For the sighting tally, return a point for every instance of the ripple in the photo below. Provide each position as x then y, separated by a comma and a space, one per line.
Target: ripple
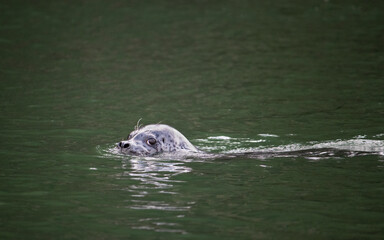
313, 150
356, 145
157, 205
267, 135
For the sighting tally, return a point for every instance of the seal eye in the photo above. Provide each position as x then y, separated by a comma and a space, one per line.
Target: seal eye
151, 141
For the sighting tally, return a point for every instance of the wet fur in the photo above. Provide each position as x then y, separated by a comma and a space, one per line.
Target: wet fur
167, 138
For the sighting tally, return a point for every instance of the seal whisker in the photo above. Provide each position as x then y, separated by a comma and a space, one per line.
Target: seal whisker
138, 125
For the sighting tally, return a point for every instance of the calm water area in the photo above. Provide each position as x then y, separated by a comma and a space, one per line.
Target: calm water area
286, 96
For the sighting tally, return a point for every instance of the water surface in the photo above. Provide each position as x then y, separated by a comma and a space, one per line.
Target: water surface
237, 78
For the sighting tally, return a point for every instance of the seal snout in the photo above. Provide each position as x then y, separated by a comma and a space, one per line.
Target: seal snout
123, 144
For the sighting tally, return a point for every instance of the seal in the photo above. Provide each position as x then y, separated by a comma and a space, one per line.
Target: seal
154, 139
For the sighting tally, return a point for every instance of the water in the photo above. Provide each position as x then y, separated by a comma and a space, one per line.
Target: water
301, 81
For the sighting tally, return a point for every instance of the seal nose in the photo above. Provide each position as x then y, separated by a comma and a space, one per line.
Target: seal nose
123, 145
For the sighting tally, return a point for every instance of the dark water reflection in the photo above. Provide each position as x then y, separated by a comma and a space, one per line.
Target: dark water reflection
153, 174
154, 186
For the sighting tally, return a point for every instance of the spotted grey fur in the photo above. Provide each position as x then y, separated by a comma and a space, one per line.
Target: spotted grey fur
153, 139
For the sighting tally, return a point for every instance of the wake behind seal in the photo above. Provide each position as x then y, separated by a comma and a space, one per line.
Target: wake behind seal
154, 139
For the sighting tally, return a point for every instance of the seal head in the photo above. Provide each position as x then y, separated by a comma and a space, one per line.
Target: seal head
153, 139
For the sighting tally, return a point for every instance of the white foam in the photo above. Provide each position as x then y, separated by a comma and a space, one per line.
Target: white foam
267, 135
220, 138
354, 145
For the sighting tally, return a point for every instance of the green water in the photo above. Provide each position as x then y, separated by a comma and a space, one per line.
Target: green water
232, 76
